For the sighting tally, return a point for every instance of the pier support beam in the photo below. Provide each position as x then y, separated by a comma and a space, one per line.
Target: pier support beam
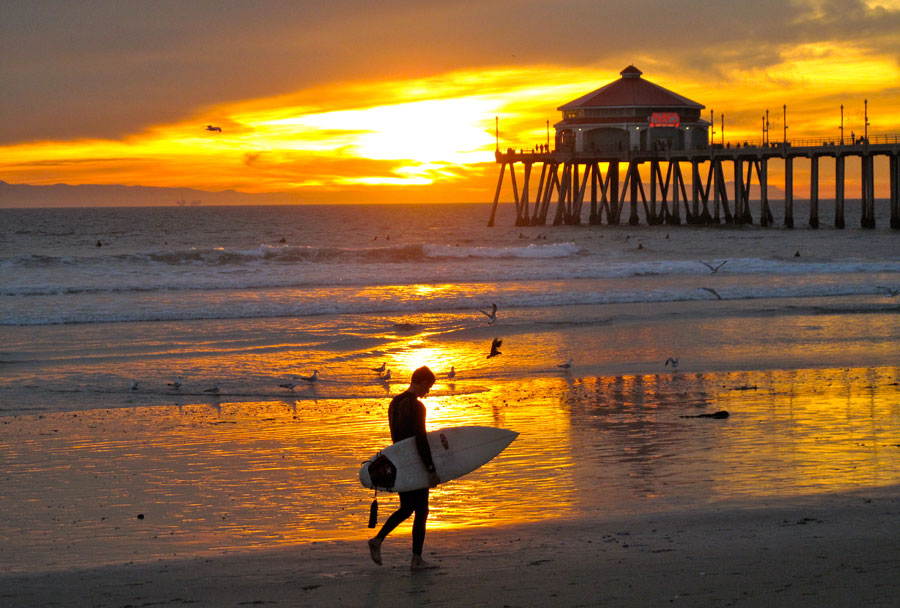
814, 192
895, 190
788, 192
839, 166
868, 191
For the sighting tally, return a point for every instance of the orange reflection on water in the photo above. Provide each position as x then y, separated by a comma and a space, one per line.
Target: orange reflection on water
222, 476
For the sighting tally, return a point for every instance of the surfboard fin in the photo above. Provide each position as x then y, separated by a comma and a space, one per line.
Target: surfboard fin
373, 512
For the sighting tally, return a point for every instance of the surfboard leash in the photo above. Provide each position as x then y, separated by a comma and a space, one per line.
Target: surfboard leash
373, 511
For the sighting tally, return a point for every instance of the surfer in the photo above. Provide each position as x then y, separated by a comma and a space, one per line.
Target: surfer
406, 417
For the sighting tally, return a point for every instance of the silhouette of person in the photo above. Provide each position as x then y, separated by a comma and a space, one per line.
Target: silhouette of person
406, 417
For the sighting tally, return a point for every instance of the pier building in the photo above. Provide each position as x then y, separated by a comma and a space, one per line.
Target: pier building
608, 135
631, 113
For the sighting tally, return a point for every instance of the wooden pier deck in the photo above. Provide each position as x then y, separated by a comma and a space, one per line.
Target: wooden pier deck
575, 180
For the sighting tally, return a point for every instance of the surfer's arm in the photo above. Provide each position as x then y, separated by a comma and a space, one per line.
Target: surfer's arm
422, 439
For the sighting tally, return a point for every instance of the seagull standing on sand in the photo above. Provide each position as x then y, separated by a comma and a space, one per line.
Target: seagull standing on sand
290, 385
452, 373
712, 291
134, 385
713, 269
386, 375
567, 365
311, 379
673, 361
495, 346
379, 369
214, 389
176, 383
492, 316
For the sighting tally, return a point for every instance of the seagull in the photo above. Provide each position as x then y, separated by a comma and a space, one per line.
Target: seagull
386, 375
176, 384
892, 292
212, 128
713, 269
290, 385
379, 369
712, 291
134, 385
213, 389
452, 373
673, 361
311, 379
492, 316
495, 345
567, 365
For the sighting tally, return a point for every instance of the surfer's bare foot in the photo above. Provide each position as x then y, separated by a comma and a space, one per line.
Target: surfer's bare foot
375, 549
420, 564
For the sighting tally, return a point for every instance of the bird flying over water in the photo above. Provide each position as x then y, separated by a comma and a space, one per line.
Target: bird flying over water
714, 269
673, 362
712, 291
567, 365
212, 128
495, 346
311, 379
492, 316
379, 369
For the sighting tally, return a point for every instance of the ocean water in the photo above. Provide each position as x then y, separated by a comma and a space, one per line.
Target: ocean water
796, 334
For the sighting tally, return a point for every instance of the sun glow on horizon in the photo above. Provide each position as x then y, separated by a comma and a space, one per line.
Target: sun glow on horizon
378, 136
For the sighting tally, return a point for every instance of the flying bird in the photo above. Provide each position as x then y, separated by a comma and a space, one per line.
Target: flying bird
712, 291
492, 316
379, 369
892, 292
212, 128
673, 361
567, 365
495, 346
311, 379
452, 373
714, 269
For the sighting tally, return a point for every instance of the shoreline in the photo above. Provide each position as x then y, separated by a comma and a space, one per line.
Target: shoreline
826, 550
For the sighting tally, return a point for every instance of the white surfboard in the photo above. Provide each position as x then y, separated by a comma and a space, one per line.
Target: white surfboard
455, 451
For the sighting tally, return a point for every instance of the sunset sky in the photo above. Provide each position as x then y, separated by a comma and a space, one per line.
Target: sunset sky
347, 101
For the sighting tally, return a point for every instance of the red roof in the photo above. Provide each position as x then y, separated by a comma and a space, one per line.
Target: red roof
631, 91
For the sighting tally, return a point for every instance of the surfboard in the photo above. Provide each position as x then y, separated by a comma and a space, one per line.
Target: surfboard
455, 451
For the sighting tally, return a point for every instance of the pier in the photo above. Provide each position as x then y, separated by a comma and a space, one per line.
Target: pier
607, 136
609, 182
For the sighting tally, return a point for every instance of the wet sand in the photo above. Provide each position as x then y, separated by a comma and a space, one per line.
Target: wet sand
828, 550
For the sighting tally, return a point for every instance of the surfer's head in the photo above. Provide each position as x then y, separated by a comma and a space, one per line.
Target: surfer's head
422, 381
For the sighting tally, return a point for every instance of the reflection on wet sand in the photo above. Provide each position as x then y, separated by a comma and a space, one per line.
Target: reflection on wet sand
217, 476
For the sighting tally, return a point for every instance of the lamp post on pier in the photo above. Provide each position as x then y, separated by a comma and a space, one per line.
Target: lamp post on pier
784, 110
866, 126
842, 124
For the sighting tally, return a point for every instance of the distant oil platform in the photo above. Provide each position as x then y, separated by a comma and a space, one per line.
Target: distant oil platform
632, 120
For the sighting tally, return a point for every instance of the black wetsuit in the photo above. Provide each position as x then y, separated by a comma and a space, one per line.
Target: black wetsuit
406, 416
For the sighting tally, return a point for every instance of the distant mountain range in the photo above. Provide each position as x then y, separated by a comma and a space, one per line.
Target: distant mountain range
66, 195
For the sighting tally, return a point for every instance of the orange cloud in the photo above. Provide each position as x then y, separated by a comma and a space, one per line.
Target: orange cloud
436, 135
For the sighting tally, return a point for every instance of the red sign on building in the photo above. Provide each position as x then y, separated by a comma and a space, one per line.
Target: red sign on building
665, 119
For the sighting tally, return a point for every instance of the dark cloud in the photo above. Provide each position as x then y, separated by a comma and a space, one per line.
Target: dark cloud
107, 68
